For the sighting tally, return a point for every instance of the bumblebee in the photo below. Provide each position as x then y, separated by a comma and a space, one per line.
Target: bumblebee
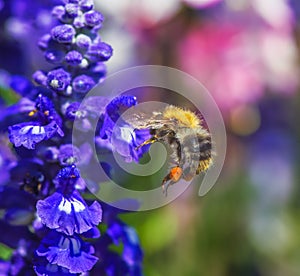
189, 141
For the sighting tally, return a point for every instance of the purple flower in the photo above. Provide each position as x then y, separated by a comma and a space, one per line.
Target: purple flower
93, 18
41, 190
83, 84
73, 58
47, 124
86, 5
69, 252
99, 52
91, 107
29, 134
63, 33
132, 252
42, 267
68, 214
66, 179
58, 79
83, 41
123, 138
129, 261
72, 10
68, 155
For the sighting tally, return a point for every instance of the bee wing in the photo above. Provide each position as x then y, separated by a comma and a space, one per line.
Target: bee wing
143, 120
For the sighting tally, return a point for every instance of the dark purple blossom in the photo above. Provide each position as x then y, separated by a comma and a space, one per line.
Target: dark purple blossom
69, 252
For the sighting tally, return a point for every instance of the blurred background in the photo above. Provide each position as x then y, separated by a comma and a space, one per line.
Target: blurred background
246, 52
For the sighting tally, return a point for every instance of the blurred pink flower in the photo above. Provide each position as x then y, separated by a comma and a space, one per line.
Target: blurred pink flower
201, 3
139, 13
239, 58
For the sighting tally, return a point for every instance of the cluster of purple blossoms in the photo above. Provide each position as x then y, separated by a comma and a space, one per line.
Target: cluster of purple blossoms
46, 220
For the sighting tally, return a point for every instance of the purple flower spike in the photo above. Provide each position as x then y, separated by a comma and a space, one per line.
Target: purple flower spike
58, 79
93, 18
68, 252
73, 58
83, 84
63, 33
69, 214
42, 188
100, 52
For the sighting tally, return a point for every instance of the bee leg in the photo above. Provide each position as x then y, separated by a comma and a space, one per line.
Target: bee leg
165, 184
147, 142
174, 175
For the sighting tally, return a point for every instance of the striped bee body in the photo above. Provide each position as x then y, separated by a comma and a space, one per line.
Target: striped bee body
189, 142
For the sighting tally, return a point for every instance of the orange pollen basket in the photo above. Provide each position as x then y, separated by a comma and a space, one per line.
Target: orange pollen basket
175, 173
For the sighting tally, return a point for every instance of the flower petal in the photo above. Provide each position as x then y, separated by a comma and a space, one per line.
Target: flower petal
31, 133
66, 251
69, 215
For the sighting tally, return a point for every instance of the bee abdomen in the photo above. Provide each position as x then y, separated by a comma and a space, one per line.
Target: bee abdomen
205, 159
